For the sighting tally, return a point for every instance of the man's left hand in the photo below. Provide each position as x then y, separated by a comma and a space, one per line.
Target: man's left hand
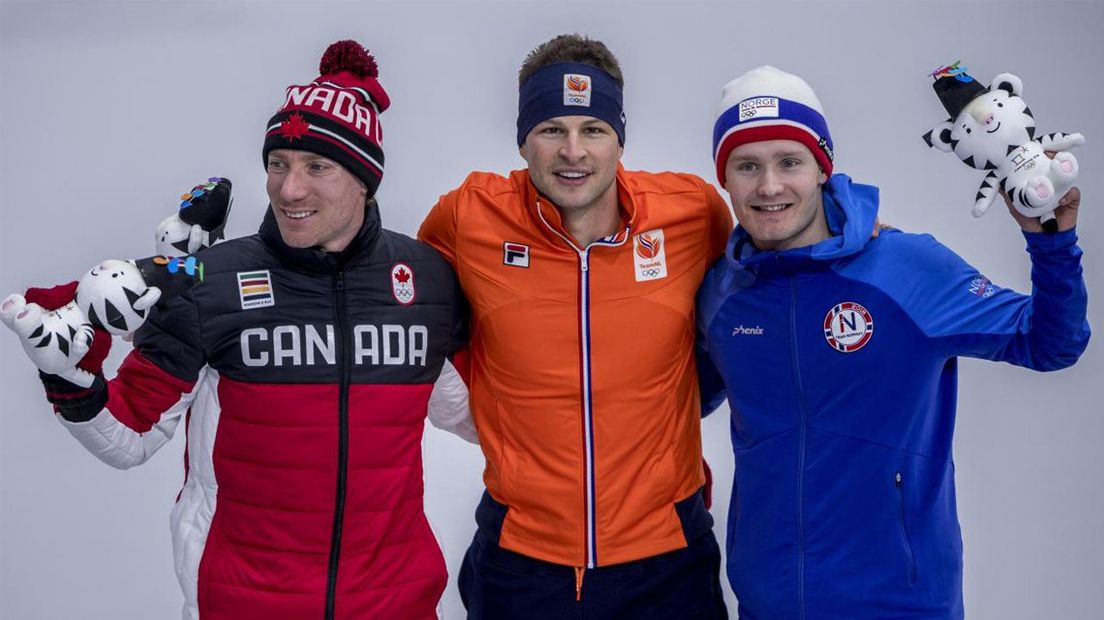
1065, 214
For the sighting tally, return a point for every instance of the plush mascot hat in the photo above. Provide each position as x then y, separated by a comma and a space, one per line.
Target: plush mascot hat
768, 104
955, 88
336, 115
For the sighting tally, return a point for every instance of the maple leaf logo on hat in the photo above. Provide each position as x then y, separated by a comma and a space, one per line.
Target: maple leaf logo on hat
294, 127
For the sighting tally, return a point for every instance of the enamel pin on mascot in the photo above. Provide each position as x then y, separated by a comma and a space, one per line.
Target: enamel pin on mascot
992, 128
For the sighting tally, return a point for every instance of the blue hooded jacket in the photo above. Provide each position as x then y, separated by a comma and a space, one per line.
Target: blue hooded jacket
839, 361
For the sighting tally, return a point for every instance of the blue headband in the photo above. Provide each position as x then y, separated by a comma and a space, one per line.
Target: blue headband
569, 89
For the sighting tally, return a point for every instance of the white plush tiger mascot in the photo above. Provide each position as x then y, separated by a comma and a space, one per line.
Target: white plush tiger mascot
993, 129
56, 326
55, 340
199, 222
112, 296
115, 296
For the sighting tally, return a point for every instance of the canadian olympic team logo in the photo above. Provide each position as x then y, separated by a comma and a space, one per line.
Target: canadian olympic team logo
402, 284
848, 327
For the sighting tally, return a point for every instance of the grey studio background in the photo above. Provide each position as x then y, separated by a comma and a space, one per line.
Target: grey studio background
108, 111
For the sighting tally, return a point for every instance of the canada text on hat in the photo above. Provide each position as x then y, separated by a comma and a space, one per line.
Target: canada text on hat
336, 115
769, 104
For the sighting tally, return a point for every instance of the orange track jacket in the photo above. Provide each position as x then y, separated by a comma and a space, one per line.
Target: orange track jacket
582, 382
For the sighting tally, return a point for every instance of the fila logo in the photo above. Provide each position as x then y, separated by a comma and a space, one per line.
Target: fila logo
576, 90
848, 327
649, 255
515, 254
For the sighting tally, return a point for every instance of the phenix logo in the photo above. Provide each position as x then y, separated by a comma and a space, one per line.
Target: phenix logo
577, 83
740, 330
649, 247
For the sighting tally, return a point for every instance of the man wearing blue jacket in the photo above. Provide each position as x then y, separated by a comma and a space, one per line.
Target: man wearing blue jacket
838, 349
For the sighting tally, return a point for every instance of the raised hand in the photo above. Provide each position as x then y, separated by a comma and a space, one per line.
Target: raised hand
54, 340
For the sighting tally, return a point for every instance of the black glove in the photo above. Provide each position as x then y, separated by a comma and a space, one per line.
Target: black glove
73, 402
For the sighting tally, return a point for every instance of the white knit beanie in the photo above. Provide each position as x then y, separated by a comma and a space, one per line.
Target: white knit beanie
769, 104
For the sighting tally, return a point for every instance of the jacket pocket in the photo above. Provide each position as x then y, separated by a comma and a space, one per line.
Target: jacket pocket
902, 523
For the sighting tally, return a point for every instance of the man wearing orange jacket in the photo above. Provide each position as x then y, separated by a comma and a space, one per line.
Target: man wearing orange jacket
581, 277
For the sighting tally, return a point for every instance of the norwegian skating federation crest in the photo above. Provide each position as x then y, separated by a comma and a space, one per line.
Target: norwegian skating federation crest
402, 284
848, 327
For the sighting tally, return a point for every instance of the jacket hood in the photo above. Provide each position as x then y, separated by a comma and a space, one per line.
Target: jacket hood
851, 210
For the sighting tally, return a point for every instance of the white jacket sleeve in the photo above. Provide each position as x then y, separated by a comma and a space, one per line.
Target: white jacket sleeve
448, 405
122, 447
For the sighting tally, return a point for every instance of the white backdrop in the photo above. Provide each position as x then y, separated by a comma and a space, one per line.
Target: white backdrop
109, 110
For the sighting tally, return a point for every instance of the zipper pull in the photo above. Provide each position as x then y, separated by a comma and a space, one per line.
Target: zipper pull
584, 259
339, 281
897, 480
579, 572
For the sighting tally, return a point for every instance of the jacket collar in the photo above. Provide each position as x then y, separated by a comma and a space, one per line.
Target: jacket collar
851, 210
315, 259
547, 215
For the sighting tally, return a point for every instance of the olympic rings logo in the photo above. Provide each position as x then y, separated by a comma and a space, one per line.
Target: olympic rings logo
650, 273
